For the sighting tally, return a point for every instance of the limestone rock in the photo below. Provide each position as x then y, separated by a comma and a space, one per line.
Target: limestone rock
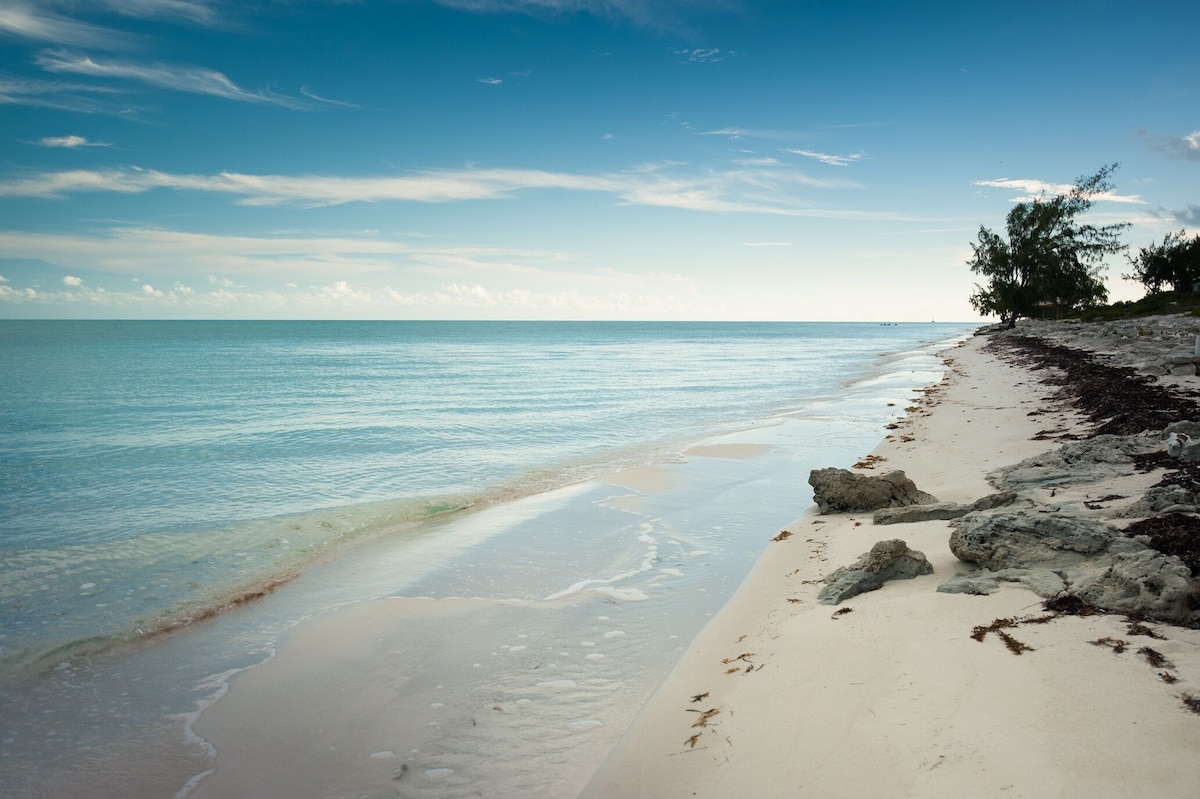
1160, 500
840, 491
1146, 582
1042, 582
1050, 553
941, 511
887, 560
1017, 540
1076, 462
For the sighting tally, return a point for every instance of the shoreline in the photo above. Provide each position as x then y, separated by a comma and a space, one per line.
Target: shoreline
889, 695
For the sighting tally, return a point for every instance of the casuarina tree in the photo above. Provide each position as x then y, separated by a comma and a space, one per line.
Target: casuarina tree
1174, 263
1050, 263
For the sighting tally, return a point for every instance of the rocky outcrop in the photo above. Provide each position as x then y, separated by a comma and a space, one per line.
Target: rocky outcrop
841, 491
887, 560
1159, 501
1051, 553
1076, 462
942, 511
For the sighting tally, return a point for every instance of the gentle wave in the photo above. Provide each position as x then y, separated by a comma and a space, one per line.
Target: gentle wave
153, 475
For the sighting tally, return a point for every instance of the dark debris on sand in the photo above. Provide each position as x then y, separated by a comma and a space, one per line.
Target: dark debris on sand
1174, 534
1116, 399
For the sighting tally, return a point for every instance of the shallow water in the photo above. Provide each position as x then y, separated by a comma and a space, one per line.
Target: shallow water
556, 572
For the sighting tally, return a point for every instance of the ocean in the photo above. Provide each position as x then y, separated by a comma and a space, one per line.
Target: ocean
176, 497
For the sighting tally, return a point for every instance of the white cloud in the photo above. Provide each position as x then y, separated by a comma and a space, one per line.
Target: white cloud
28, 21
766, 244
1031, 189
826, 158
194, 10
706, 55
70, 142
764, 188
196, 80
313, 96
55, 94
71, 280
315, 277
656, 13
214, 259
491, 81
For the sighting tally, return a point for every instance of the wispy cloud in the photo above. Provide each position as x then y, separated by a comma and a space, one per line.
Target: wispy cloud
766, 189
70, 142
1030, 189
1186, 147
491, 81
196, 80
705, 55
736, 133
827, 158
28, 21
304, 90
199, 11
292, 276
766, 244
59, 95
651, 13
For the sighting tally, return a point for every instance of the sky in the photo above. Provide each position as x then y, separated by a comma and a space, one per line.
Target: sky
569, 159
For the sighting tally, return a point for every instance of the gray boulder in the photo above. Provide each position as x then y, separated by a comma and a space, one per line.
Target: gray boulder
1145, 581
942, 511
841, 491
1050, 553
1076, 463
1042, 582
1017, 540
1160, 500
887, 560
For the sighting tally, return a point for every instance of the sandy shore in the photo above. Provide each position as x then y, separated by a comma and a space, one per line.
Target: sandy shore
889, 694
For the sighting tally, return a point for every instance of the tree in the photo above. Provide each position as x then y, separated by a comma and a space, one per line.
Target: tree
1175, 262
1050, 262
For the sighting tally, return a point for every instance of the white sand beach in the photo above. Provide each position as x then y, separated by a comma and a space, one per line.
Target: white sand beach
888, 694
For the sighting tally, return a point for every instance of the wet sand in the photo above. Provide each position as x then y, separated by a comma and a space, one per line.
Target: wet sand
889, 694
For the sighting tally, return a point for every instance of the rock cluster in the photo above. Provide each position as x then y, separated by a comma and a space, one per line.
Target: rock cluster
887, 560
1056, 550
1054, 553
842, 491
1153, 345
941, 511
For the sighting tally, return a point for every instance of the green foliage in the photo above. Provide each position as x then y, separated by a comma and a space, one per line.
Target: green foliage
1174, 263
1165, 302
1049, 263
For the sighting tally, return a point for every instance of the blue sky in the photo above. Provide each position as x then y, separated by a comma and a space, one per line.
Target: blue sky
567, 159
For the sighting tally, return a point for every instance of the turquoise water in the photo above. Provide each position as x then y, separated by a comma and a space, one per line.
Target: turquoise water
156, 473
149, 470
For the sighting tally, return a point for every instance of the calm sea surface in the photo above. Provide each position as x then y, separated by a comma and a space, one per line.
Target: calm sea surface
149, 468
153, 473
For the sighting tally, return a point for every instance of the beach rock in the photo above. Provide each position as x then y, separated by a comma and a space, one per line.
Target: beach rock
1076, 462
840, 491
1185, 427
1145, 582
1160, 500
887, 560
1050, 553
1017, 540
942, 511
1042, 582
